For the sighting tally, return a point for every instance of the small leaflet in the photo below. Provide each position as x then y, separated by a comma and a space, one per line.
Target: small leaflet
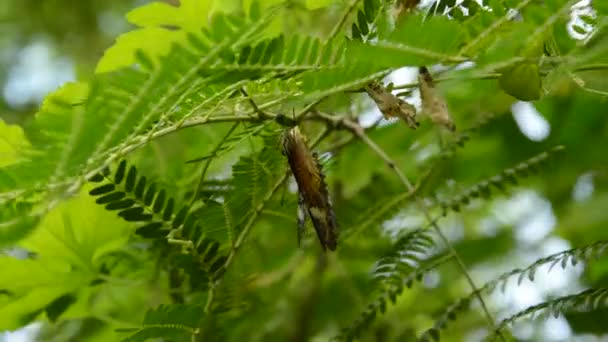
313, 194
433, 104
392, 106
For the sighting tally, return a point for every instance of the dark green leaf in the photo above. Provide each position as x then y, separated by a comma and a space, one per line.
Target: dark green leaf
120, 172
122, 204
211, 252
370, 10
355, 33
59, 306
159, 202
103, 189
112, 197
190, 225
135, 214
168, 212
578, 29
150, 193
96, 178
362, 23
180, 217
217, 264
144, 60
151, 230
139, 189
131, 177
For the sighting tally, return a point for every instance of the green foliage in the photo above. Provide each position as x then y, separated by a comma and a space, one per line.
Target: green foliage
65, 264
177, 322
522, 82
137, 200
201, 222
587, 300
415, 42
365, 28
570, 257
508, 176
399, 269
13, 141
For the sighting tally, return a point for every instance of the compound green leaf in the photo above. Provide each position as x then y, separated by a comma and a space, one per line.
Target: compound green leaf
12, 143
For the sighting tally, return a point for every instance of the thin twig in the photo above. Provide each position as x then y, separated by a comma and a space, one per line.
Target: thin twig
186, 243
300, 115
208, 162
357, 130
210, 295
261, 114
450, 78
590, 67
491, 76
345, 16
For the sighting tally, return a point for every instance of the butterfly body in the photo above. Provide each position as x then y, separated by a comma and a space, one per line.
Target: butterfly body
314, 197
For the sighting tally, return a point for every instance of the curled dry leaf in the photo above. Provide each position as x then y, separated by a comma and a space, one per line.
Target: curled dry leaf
314, 197
433, 104
404, 7
390, 105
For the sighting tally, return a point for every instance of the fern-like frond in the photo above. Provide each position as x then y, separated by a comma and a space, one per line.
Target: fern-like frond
587, 300
571, 256
389, 295
177, 322
286, 55
406, 262
253, 176
374, 215
500, 181
73, 142
406, 255
565, 258
415, 42
138, 199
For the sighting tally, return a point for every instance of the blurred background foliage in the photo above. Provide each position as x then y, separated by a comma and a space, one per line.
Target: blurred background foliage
565, 205
45, 43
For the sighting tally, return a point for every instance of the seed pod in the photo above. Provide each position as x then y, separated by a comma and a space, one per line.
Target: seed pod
392, 106
433, 104
312, 188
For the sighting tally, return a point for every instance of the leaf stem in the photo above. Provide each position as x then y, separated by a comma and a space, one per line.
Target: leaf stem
262, 115
590, 67
340, 24
450, 78
495, 75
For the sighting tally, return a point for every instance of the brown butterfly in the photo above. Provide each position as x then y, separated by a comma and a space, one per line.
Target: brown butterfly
313, 194
433, 104
390, 105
